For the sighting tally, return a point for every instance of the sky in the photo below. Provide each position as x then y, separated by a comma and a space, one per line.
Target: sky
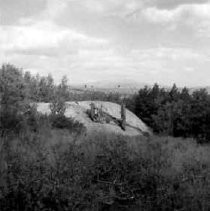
163, 41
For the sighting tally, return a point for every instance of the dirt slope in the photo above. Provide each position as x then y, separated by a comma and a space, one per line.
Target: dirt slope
78, 111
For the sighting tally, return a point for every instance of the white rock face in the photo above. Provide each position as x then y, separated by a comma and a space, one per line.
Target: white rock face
78, 111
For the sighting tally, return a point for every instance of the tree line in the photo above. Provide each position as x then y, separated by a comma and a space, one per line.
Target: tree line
44, 89
174, 112
18, 89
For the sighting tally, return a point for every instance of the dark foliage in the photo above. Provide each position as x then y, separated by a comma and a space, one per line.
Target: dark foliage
175, 112
13, 100
62, 122
103, 173
44, 167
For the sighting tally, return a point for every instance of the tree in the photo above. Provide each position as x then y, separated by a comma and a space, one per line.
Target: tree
46, 88
12, 88
13, 97
63, 89
174, 93
148, 102
61, 95
200, 114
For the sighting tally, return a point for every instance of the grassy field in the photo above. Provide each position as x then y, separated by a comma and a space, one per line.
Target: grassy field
57, 169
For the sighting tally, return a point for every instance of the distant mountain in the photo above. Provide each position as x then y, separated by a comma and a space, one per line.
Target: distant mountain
125, 86
122, 86
192, 89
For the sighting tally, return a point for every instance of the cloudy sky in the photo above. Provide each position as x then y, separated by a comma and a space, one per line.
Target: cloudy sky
162, 41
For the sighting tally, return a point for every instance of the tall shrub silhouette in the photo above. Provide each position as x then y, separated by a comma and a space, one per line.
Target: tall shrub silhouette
13, 98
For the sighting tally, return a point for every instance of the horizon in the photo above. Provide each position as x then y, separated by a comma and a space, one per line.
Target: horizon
148, 41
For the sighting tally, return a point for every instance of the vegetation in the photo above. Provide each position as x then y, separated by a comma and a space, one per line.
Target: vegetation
13, 101
50, 163
43, 88
103, 172
174, 112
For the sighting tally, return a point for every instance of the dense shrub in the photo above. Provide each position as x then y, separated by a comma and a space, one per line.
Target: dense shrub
175, 112
62, 122
103, 172
13, 99
44, 167
59, 120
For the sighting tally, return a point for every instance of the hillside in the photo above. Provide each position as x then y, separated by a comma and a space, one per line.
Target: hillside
123, 86
78, 111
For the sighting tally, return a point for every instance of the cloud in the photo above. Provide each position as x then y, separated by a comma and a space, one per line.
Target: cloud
149, 40
171, 4
113, 7
11, 11
134, 23
184, 12
44, 38
172, 54
192, 17
163, 65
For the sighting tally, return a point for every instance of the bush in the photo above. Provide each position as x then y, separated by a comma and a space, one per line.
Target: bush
62, 122
103, 172
10, 122
174, 112
58, 106
13, 99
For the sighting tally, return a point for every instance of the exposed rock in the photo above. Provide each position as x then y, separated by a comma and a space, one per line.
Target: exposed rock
79, 111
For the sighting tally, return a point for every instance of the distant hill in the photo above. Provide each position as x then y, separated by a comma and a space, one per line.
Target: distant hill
122, 86
192, 89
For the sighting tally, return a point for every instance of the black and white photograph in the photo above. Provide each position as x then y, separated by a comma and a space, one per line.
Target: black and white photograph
104, 105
